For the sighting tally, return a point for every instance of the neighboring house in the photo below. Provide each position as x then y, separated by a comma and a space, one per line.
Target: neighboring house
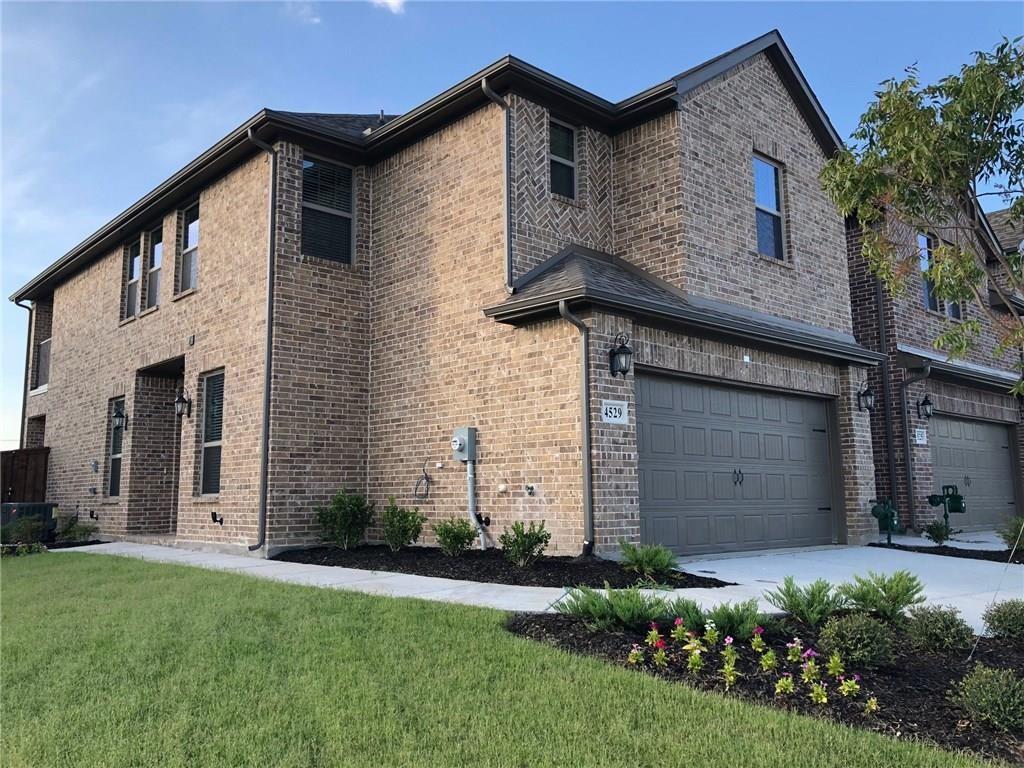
328, 314
940, 421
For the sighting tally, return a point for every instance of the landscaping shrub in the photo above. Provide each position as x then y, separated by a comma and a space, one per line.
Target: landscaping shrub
401, 526
1005, 620
72, 529
887, 597
23, 530
19, 550
521, 545
860, 640
1010, 532
612, 608
735, 619
692, 615
454, 536
939, 531
810, 605
650, 562
993, 696
936, 629
344, 522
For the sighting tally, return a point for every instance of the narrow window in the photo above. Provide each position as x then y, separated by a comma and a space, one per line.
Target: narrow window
213, 418
189, 249
327, 211
131, 301
156, 261
116, 446
42, 363
768, 209
925, 245
562, 159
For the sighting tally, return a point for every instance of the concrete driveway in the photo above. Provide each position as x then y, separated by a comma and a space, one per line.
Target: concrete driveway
965, 584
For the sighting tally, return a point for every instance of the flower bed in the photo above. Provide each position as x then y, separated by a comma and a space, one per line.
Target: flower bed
488, 566
995, 555
907, 698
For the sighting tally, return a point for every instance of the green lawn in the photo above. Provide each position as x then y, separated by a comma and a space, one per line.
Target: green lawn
116, 662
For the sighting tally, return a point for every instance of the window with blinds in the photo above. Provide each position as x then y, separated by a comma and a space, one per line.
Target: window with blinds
213, 422
327, 231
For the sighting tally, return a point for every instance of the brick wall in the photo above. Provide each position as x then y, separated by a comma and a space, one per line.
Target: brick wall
35, 432
152, 484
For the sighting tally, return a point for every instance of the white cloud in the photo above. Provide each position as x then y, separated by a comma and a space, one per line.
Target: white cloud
395, 6
303, 13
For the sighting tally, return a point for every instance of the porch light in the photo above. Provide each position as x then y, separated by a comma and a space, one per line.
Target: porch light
925, 407
182, 404
621, 356
120, 420
866, 398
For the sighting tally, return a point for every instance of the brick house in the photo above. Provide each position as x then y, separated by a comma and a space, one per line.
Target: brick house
941, 421
326, 298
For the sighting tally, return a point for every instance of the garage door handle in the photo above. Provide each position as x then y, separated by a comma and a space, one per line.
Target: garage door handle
967, 480
741, 476
735, 477
824, 509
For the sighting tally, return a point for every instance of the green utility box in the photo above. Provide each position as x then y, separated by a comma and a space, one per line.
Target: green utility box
950, 500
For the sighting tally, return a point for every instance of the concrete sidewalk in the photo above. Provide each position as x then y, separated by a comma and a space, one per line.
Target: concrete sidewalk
965, 584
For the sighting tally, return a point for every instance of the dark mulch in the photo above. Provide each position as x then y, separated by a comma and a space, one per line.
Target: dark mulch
995, 555
70, 544
912, 693
486, 566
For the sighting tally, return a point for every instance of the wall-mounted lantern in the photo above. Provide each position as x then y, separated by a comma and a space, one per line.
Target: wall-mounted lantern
182, 404
120, 420
866, 398
925, 407
620, 357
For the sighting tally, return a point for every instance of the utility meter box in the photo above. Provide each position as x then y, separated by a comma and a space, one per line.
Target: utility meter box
464, 444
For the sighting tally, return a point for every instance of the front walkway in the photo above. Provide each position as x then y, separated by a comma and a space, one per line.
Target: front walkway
965, 584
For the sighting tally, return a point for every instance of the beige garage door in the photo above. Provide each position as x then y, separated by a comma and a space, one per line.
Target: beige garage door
975, 456
726, 469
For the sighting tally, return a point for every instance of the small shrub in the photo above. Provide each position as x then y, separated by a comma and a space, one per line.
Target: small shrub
994, 697
401, 526
522, 546
735, 619
936, 629
454, 536
861, 641
887, 597
939, 531
810, 605
72, 529
23, 530
613, 608
1005, 620
692, 615
650, 562
20, 550
344, 522
1011, 532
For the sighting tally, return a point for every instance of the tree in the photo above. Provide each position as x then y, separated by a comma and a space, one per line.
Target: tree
922, 159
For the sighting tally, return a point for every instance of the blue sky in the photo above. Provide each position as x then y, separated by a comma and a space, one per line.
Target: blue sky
102, 101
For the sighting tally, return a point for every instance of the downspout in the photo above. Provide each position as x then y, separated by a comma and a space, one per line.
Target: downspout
490, 94
883, 342
268, 354
588, 477
28, 362
908, 463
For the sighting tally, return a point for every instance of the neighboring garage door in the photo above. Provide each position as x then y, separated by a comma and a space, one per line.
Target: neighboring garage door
726, 469
974, 455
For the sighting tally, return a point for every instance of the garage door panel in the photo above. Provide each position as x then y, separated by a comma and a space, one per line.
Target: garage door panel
695, 441
662, 437
773, 447
752, 487
975, 456
750, 445
771, 408
725, 531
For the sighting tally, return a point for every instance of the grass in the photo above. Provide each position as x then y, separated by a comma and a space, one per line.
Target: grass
116, 662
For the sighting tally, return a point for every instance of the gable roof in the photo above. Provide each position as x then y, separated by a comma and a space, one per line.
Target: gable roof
1008, 233
586, 277
344, 136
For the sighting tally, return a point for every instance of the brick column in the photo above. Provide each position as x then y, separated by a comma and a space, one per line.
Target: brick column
855, 455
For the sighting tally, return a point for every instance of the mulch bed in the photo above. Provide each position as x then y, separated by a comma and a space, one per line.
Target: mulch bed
488, 566
912, 693
70, 544
995, 555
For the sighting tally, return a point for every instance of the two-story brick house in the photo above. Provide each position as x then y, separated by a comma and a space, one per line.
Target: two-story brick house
336, 294
941, 421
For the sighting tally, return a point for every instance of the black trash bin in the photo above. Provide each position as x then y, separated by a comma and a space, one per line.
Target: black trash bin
13, 511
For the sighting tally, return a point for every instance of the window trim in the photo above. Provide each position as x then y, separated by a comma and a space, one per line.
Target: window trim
334, 211
183, 251
203, 444
573, 164
780, 214
149, 269
111, 409
126, 314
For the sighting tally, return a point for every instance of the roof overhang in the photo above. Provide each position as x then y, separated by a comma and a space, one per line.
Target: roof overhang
959, 371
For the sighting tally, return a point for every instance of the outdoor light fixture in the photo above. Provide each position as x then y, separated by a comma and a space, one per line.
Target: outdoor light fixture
120, 419
866, 398
182, 404
621, 356
924, 407
218, 519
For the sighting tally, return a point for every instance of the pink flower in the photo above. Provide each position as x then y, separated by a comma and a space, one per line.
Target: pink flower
660, 643
728, 640
856, 677
810, 653
654, 625
758, 630
678, 621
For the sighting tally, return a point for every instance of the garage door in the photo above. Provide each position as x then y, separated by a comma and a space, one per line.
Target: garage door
726, 469
974, 455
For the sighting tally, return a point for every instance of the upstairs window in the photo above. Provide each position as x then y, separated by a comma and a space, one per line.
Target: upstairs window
768, 208
189, 249
327, 231
926, 245
117, 419
131, 300
562, 159
156, 260
213, 421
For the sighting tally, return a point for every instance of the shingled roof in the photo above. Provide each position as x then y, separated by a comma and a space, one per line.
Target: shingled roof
344, 125
1010, 233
